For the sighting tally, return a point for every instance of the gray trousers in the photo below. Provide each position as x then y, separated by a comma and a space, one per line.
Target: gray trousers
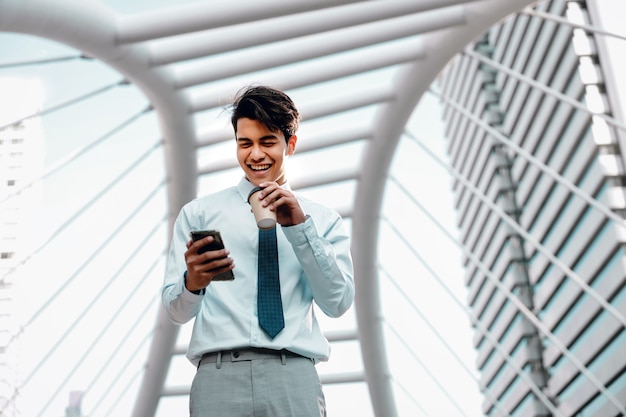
249, 384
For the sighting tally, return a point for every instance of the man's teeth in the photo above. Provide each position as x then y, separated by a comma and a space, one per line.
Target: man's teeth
259, 167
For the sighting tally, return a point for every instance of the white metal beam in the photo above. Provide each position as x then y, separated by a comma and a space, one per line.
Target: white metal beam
306, 48
232, 38
326, 69
192, 17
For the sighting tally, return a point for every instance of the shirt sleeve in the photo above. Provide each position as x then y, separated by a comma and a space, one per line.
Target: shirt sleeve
326, 261
180, 304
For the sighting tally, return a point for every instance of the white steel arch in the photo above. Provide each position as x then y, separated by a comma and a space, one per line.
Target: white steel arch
153, 50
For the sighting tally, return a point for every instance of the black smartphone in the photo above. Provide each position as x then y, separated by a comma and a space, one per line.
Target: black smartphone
216, 244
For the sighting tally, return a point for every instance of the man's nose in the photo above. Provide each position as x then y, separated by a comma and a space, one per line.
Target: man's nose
257, 153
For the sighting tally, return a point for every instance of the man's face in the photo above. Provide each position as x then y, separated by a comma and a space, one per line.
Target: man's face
262, 153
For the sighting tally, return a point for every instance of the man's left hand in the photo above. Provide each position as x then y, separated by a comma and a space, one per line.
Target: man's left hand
283, 202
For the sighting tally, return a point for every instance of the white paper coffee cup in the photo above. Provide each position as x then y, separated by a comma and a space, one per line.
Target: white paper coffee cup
265, 218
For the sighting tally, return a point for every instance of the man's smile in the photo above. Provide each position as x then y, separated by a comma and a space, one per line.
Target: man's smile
260, 167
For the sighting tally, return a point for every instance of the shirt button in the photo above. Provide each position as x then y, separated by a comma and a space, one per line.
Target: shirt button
235, 355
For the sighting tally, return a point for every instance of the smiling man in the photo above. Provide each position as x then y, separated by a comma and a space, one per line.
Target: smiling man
255, 339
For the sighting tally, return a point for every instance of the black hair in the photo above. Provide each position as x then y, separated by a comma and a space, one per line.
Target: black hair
272, 108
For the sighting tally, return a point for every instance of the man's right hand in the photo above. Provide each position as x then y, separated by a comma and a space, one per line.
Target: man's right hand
203, 267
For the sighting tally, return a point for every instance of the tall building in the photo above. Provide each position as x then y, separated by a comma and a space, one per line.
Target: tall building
540, 199
21, 150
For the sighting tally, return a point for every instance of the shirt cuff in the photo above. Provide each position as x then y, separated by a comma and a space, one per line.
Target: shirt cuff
300, 233
197, 292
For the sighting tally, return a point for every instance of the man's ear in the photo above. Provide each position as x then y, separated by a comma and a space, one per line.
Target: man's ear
291, 145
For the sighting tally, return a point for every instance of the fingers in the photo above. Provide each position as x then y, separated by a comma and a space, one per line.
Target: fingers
283, 202
268, 192
210, 257
212, 268
274, 196
202, 246
196, 245
203, 267
200, 275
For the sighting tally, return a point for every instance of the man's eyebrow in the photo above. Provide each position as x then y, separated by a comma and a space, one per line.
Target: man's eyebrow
266, 137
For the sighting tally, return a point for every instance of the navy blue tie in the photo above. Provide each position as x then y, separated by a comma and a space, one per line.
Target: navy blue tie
269, 303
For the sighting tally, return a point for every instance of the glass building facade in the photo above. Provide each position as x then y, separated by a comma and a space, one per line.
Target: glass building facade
538, 196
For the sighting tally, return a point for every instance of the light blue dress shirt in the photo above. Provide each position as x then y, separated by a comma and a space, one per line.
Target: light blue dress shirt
315, 266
